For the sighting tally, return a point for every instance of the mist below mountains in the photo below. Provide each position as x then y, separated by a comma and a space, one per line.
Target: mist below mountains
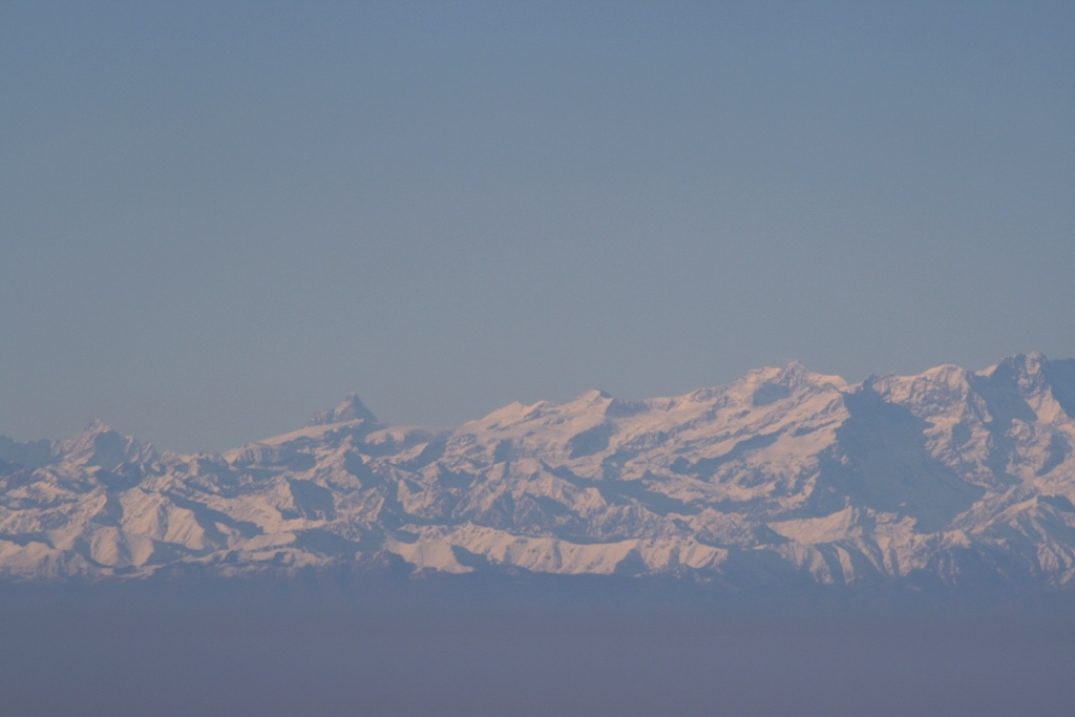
247, 656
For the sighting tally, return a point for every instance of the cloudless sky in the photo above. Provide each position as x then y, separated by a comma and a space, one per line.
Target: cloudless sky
216, 218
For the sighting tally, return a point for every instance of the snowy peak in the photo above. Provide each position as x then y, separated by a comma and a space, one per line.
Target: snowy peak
593, 396
771, 384
99, 445
350, 409
1025, 371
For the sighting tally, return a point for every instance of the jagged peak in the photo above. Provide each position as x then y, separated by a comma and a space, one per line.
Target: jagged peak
350, 408
99, 444
1021, 372
792, 375
936, 386
593, 395
794, 368
95, 427
949, 373
511, 414
87, 439
1029, 364
945, 369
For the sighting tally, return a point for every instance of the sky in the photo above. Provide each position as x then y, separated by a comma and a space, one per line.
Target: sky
217, 218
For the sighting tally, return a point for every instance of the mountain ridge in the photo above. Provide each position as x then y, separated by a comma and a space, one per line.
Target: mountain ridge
950, 476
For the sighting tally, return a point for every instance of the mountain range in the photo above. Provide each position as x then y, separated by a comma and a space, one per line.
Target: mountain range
949, 478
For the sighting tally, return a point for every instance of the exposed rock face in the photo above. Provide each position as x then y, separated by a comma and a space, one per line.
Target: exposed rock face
947, 477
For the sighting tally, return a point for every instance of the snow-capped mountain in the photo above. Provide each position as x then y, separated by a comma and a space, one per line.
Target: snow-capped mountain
950, 477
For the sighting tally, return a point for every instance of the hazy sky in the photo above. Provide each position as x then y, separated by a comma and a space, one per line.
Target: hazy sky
216, 218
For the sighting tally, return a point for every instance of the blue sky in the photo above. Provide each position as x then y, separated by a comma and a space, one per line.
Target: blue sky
216, 218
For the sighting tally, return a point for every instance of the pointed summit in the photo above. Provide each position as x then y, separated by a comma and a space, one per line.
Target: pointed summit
84, 445
95, 427
594, 395
1022, 368
350, 409
99, 445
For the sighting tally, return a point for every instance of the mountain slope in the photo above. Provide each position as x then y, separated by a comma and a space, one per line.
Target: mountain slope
949, 477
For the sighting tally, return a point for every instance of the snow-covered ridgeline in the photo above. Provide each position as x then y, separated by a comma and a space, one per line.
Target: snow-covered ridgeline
949, 476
